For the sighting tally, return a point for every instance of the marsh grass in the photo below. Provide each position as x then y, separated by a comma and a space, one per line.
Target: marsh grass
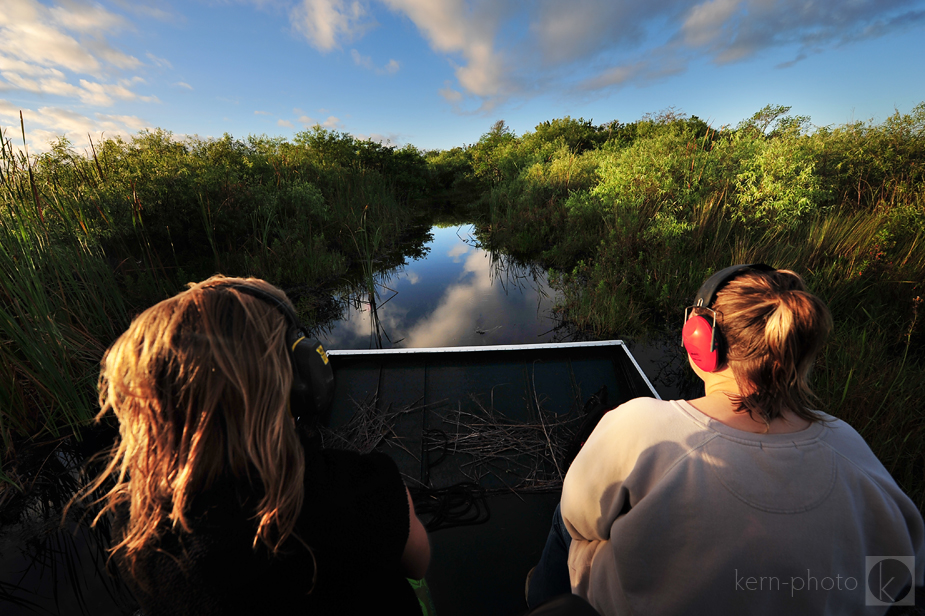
59, 304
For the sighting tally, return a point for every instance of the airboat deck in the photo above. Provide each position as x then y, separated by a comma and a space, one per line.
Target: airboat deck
494, 417
504, 411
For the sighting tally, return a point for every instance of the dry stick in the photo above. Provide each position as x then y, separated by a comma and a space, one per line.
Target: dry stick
493, 439
489, 437
368, 427
539, 413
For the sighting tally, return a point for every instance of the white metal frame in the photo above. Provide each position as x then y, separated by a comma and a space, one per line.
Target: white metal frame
503, 347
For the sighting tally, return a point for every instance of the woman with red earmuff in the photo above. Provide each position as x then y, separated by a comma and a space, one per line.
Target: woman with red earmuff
745, 500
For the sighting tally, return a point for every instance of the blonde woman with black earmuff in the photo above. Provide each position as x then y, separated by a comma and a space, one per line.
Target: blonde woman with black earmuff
745, 500
221, 506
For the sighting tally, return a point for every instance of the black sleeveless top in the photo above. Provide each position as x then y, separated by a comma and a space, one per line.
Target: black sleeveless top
354, 517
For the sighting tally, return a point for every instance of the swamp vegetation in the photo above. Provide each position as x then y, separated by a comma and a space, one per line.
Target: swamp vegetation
629, 219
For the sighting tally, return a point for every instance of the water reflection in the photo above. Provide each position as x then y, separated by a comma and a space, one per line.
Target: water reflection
459, 295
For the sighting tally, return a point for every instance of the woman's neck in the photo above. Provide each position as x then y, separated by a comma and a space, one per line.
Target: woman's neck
719, 404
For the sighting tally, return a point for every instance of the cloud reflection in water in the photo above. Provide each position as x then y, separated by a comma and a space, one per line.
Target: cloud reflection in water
460, 295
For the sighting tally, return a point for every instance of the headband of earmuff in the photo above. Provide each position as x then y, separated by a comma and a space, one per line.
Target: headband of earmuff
699, 335
312, 376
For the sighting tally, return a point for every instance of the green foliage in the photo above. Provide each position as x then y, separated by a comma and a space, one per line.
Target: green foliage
763, 119
576, 135
488, 155
869, 166
778, 184
665, 168
58, 301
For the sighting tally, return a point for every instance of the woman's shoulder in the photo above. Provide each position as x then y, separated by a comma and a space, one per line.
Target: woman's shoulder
332, 465
851, 448
663, 428
651, 416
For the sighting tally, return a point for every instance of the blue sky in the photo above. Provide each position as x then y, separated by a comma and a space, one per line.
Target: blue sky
439, 73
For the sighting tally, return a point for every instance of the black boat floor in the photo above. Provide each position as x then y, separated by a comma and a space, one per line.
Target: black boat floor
452, 416
481, 570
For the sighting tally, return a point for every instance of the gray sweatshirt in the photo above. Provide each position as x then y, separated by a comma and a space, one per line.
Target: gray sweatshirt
672, 512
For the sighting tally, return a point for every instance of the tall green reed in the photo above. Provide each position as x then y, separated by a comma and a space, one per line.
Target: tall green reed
59, 307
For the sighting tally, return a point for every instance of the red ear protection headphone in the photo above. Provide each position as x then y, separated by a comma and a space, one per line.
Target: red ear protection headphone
313, 379
699, 335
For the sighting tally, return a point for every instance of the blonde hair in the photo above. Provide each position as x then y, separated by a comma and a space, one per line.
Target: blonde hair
772, 330
200, 384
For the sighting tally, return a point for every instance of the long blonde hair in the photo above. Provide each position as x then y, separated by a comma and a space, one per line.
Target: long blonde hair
200, 384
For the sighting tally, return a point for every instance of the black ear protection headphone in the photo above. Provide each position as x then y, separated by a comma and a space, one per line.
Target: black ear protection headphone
699, 335
312, 376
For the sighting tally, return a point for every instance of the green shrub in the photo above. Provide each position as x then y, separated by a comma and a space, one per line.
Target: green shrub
778, 184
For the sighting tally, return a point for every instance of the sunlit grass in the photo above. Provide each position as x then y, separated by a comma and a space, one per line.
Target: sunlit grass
58, 304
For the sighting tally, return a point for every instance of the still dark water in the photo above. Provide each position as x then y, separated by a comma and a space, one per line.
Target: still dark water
452, 293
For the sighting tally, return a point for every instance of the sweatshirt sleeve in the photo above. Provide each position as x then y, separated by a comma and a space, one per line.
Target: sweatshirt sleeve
625, 456
592, 493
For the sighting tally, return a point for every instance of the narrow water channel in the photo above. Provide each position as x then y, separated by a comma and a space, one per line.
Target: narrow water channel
459, 294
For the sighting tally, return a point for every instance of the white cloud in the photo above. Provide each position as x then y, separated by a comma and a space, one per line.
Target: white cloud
327, 22
7, 109
19, 67
475, 303
361, 60
505, 48
357, 324
102, 94
85, 19
565, 32
144, 9
732, 30
266, 113
657, 66
159, 62
391, 67
34, 33
46, 124
89, 92
306, 121
451, 95
183, 84
61, 50
332, 122
133, 123
284, 123
455, 27
457, 251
